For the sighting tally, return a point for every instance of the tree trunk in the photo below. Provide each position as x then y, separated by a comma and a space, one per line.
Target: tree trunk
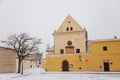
19, 65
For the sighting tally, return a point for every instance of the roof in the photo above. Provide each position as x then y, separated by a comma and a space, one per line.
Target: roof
33, 57
69, 23
7, 48
51, 49
101, 40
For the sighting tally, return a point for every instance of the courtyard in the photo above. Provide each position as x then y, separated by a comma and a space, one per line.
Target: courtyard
40, 74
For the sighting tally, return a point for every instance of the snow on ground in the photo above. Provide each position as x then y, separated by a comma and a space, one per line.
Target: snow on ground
40, 74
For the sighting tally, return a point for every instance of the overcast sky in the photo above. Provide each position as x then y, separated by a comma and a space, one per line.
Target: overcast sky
40, 18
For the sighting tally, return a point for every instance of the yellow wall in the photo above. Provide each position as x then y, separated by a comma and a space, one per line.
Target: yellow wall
43, 64
113, 47
88, 62
93, 61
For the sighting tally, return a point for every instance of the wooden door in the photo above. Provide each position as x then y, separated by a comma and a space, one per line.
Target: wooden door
65, 65
106, 66
70, 49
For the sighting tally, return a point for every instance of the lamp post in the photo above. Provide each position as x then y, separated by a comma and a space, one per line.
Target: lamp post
22, 57
22, 66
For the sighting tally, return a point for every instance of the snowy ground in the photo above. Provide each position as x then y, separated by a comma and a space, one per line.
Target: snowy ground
39, 74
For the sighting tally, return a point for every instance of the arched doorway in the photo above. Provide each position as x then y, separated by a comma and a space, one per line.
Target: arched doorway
65, 65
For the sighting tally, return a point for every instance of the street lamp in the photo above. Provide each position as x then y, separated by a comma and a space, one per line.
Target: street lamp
22, 57
22, 66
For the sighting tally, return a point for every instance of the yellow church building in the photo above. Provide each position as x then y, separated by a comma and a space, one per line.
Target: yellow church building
73, 51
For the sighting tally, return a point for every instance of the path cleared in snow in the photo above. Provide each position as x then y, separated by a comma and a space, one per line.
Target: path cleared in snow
40, 74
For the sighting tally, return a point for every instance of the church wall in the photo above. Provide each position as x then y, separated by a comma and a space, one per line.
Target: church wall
98, 55
61, 40
113, 47
93, 61
87, 62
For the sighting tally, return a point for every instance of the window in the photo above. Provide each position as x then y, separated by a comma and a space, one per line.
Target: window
61, 51
77, 50
68, 21
71, 28
67, 29
80, 68
104, 48
69, 43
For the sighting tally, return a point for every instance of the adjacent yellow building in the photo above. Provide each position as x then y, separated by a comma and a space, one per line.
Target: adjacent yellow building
72, 51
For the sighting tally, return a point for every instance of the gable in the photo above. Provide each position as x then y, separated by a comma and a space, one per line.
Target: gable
68, 25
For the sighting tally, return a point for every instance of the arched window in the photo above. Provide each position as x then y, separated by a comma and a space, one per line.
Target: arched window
68, 21
71, 28
67, 29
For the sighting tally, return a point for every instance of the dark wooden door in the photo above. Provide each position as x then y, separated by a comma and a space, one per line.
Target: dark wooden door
106, 66
70, 49
65, 65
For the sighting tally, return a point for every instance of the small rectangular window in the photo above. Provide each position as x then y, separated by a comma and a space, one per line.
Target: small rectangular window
61, 51
77, 50
104, 48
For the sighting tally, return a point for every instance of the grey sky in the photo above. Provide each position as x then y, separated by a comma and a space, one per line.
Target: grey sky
39, 18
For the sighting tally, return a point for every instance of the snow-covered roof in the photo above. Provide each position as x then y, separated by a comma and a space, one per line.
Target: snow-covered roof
51, 49
7, 48
100, 40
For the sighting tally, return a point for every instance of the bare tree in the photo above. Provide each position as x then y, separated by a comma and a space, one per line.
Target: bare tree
23, 45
